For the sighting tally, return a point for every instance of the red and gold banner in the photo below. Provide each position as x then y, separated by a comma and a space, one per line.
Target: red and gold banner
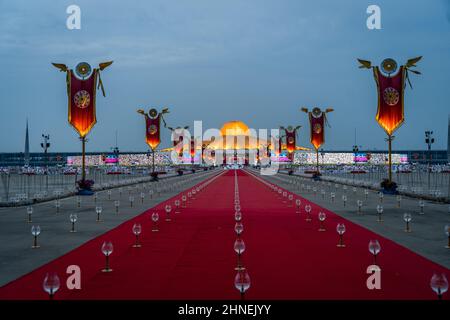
290, 140
82, 102
390, 112
153, 126
317, 125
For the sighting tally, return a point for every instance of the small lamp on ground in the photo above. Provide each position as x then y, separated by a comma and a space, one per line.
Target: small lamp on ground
155, 218
107, 249
242, 282
322, 216
29, 213
439, 284
35, 231
98, 211
51, 284
340, 228
137, 229
407, 218
73, 218
374, 249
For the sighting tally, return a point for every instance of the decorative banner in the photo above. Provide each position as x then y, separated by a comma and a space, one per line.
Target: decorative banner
390, 112
290, 140
317, 125
153, 126
81, 92
82, 115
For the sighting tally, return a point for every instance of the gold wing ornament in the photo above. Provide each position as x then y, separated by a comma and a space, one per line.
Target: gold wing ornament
365, 64
104, 65
61, 66
412, 62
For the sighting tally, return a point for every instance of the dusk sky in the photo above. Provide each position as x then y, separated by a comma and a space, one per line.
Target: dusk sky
215, 61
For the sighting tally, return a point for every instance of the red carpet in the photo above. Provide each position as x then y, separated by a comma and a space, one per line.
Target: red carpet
192, 256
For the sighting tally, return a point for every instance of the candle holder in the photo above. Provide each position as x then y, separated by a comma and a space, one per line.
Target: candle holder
137, 229
290, 198
407, 218
57, 205
237, 216
73, 218
242, 282
239, 248
29, 213
421, 206
107, 249
380, 212
374, 249
168, 209
308, 213
35, 231
131, 199
116, 205
155, 218
177, 206
298, 203
340, 228
98, 211
322, 216
51, 284
238, 228
439, 284
183, 201
359, 203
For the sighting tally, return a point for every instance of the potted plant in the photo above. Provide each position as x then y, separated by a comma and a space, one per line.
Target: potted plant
389, 187
85, 187
154, 176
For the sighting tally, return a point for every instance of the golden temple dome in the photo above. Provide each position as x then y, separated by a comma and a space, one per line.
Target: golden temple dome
234, 128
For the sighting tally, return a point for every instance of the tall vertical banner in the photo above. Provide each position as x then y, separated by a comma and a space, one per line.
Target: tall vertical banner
390, 111
290, 140
82, 92
153, 126
317, 127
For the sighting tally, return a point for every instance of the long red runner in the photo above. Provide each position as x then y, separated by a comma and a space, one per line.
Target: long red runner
192, 256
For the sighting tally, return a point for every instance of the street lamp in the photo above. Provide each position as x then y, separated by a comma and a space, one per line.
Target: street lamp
429, 140
45, 145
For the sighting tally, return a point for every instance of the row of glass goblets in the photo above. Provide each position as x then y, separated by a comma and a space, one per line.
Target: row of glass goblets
242, 278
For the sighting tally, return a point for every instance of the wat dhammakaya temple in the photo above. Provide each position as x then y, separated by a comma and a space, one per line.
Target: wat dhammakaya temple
217, 159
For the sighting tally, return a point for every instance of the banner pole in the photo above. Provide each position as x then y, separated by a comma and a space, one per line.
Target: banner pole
390, 156
83, 158
317, 160
153, 160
